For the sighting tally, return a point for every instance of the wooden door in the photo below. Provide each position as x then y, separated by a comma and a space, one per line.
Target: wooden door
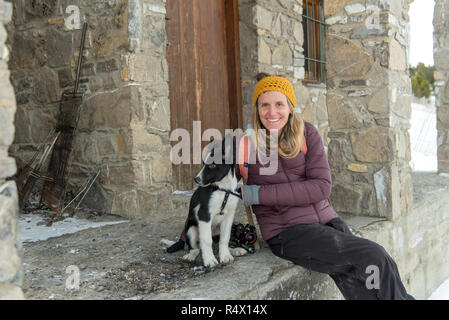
204, 71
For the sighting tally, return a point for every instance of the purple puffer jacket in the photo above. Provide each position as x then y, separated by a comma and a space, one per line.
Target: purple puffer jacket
297, 193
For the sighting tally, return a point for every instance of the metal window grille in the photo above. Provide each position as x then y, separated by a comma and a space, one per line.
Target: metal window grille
314, 36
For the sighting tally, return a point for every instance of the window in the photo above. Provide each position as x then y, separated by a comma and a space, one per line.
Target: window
314, 34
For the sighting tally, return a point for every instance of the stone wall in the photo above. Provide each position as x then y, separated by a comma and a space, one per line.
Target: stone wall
369, 105
125, 116
441, 52
11, 274
271, 40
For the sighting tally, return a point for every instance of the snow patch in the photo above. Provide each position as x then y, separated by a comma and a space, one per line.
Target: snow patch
30, 231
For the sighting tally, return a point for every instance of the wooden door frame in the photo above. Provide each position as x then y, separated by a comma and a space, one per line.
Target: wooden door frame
229, 22
233, 62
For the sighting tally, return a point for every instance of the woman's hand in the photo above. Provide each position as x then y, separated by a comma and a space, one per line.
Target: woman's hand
250, 194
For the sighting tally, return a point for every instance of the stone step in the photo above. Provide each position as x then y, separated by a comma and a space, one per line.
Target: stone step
259, 276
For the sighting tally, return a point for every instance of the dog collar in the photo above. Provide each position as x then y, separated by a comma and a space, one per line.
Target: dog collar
225, 200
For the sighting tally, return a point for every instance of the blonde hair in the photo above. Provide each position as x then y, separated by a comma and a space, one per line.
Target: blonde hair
290, 138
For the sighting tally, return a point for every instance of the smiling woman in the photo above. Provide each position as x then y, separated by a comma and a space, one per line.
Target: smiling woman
275, 100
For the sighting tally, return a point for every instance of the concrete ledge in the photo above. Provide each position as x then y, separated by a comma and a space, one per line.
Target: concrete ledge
258, 276
408, 239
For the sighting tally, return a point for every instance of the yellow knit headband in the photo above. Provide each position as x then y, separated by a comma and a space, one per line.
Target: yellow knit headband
274, 83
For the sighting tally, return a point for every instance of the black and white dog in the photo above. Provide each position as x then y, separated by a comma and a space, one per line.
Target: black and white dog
212, 207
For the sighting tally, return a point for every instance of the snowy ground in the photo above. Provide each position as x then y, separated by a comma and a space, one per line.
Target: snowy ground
423, 144
32, 228
423, 139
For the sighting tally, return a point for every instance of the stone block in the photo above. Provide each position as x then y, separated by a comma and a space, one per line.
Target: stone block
42, 121
335, 6
382, 184
341, 116
159, 114
154, 36
398, 57
443, 116
87, 70
355, 167
112, 110
299, 73
282, 55
126, 204
263, 18
23, 54
160, 169
263, 52
7, 167
84, 150
276, 29
355, 8
353, 83
372, 145
9, 291
58, 48
345, 59
441, 12
337, 19
348, 199
380, 103
46, 86
65, 78
298, 33
144, 67
123, 176
443, 154
10, 244
5, 12
22, 132
403, 106
107, 66
7, 127
152, 201
144, 142
111, 35
441, 61
359, 93
340, 152
42, 8
365, 32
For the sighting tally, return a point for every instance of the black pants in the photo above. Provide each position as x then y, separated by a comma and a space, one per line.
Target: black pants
361, 268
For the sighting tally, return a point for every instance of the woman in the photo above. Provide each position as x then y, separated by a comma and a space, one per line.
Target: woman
292, 209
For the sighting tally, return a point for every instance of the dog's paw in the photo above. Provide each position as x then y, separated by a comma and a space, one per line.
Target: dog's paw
191, 256
226, 258
210, 261
225, 255
238, 252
